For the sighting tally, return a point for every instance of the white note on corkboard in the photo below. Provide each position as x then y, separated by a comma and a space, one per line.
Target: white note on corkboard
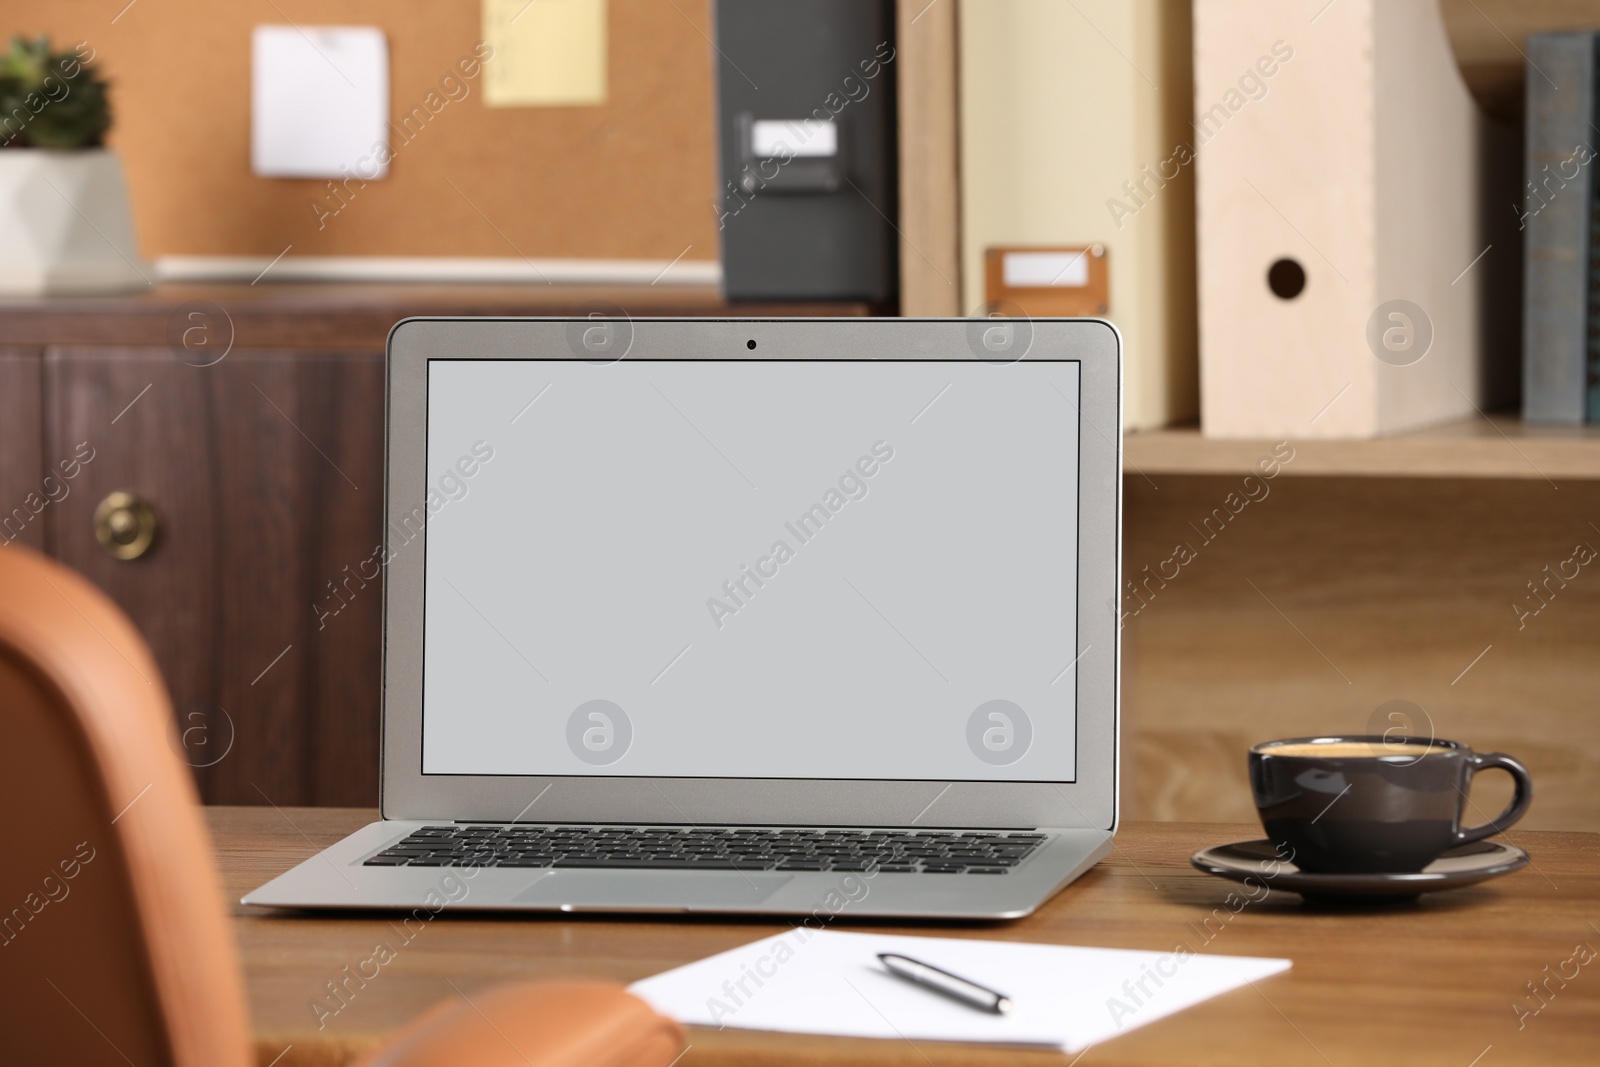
319, 101
547, 53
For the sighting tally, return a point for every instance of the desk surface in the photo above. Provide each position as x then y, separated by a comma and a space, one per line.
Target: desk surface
1433, 982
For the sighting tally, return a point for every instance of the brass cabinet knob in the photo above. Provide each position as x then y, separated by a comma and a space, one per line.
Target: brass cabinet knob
125, 525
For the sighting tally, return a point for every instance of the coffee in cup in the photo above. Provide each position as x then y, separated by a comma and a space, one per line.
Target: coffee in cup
1365, 804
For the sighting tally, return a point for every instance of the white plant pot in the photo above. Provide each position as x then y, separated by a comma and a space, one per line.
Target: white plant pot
65, 226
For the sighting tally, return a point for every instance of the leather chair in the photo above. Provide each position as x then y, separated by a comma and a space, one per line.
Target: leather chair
115, 945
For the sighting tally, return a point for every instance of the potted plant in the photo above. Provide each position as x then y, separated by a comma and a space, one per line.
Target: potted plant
64, 220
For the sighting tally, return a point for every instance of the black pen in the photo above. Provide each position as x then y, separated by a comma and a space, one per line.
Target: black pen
951, 985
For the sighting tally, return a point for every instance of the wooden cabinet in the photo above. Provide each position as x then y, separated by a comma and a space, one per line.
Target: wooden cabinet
264, 473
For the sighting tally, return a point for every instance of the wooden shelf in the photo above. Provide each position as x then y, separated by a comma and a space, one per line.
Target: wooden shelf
1497, 447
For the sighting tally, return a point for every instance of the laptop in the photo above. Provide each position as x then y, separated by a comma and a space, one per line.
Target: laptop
791, 616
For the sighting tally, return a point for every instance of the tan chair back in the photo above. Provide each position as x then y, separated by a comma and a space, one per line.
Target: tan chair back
114, 941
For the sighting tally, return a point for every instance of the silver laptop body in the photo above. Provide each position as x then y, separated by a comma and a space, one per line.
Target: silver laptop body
828, 583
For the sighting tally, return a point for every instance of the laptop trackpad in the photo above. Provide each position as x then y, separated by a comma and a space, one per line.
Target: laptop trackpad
580, 889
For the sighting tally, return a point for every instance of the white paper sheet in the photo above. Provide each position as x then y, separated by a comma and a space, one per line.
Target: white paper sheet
830, 982
319, 102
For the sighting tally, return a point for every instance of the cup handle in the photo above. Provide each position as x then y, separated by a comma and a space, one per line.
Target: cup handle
1519, 799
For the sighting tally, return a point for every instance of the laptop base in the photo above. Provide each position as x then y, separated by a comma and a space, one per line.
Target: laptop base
337, 878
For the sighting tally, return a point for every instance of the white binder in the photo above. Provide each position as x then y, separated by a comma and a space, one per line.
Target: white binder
1073, 122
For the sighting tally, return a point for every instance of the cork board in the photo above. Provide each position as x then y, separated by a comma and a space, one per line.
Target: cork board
629, 179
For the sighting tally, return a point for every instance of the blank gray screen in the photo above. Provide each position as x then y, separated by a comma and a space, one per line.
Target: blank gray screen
784, 569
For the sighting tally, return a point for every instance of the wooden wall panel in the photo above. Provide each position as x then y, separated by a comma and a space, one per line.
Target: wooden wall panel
1365, 590
629, 179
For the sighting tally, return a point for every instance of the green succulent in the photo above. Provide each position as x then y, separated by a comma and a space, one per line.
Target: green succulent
50, 99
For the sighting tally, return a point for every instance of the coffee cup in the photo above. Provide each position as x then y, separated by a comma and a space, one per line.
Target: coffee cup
1373, 804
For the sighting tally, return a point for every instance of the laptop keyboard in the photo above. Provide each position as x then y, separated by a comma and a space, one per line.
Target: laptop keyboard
708, 848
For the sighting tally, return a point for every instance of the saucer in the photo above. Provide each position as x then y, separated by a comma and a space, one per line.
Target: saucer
1455, 867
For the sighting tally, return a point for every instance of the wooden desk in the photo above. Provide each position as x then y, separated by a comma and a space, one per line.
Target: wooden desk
1428, 983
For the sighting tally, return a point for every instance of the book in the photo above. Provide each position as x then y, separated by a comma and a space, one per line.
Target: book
1592, 405
1561, 357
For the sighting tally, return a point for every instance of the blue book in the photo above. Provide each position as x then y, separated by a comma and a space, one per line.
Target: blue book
1557, 219
1592, 408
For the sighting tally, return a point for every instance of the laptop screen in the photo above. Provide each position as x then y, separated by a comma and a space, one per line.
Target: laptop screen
752, 569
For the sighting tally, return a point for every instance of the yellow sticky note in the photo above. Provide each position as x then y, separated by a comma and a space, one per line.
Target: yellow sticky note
547, 53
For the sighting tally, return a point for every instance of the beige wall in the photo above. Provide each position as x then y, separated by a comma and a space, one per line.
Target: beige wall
1060, 105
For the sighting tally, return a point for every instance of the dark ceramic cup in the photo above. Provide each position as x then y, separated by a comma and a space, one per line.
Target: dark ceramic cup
1365, 805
